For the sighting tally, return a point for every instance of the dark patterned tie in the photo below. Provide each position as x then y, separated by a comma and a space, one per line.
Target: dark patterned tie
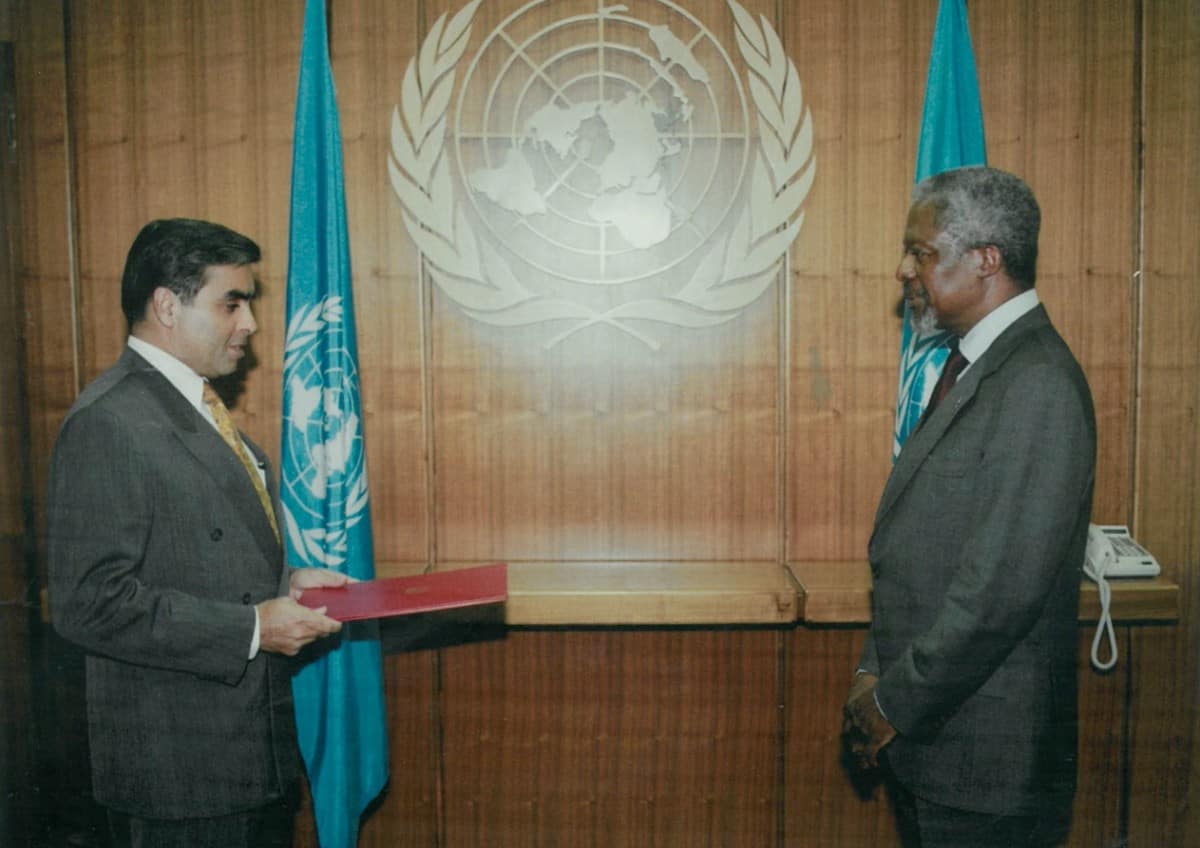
950, 371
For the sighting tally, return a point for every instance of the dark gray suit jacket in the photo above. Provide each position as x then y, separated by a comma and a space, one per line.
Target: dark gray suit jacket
158, 548
976, 556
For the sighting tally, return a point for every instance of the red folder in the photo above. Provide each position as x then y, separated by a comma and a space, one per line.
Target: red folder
464, 587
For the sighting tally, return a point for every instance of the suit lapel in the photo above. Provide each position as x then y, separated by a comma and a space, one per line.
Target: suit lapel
934, 426
205, 444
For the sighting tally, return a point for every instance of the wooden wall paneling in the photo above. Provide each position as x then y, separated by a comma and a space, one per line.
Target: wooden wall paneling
612, 738
1085, 135
13, 416
50, 366
601, 447
16, 691
1073, 142
824, 807
866, 102
1000, 36
52, 371
127, 99
373, 43
1164, 779
1096, 816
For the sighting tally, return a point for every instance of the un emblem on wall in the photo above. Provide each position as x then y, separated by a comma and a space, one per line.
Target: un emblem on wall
323, 429
602, 168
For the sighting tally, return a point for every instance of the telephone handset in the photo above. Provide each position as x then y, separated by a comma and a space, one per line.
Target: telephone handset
1112, 552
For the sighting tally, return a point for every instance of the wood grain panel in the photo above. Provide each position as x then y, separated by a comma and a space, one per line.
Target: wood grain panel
1102, 713
109, 70
16, 683
826, 807
612, 738
50, 370
1164, 779
844, 334
1074, 143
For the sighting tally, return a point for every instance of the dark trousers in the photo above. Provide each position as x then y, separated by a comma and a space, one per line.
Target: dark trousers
262, 827
924, 824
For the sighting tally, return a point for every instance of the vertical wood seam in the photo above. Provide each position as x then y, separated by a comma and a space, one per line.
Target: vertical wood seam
782, 513
1137, 294
72, 211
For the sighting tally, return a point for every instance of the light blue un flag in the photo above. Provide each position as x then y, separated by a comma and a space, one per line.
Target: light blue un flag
951, 137
339, 696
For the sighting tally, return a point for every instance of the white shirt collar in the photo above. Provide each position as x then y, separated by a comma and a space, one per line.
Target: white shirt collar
184, 379
980, 337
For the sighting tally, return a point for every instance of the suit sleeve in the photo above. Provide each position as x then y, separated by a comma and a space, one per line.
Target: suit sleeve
100, 515
868, 660
1037, 471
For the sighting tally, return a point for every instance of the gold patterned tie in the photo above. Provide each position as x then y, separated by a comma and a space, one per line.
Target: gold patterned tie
229, 433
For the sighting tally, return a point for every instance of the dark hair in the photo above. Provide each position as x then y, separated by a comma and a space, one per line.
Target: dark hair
976, 207
176, 253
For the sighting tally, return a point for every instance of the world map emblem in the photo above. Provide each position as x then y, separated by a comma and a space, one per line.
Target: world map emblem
609, 167
322, 424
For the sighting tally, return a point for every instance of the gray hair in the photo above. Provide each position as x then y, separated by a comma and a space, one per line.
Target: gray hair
978, 206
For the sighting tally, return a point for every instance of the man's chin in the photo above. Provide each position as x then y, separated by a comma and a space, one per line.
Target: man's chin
924, 323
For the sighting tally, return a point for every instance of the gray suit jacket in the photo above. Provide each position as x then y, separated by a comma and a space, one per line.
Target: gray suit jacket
158, 548
976, 556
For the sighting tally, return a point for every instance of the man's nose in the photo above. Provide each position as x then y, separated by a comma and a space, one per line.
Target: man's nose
905, 270
247, 322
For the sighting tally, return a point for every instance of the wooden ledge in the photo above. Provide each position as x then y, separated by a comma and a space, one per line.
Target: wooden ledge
747, 592
840, 593
647, 593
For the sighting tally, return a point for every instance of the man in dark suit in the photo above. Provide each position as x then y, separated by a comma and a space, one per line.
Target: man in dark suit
166, 565
966, 689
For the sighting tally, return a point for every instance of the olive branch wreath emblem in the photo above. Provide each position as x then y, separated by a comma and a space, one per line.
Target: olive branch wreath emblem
731, 275
317, 545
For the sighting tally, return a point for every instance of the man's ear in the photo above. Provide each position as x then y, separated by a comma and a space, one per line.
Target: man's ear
164, 307
990, 260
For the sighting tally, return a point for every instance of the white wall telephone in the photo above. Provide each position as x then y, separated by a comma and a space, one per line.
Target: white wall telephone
1111, 552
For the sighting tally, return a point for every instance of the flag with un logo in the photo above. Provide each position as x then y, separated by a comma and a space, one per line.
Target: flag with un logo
340, 715
951, 137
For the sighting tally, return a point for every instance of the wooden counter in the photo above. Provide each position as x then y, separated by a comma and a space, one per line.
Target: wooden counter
648, 593
840, 593
697, 593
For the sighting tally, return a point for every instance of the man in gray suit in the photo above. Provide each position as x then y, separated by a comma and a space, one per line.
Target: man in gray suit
166, 565
966, 689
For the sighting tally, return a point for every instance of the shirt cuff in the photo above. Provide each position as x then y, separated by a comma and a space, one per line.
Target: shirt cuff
254, 643
878, 706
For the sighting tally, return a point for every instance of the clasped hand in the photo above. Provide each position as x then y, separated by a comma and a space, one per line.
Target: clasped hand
286, 626
865, 730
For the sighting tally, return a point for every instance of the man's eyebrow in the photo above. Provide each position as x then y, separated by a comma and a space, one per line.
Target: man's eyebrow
238, 294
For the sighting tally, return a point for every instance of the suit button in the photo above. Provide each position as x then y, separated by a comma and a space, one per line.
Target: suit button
216, 534
246, 599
